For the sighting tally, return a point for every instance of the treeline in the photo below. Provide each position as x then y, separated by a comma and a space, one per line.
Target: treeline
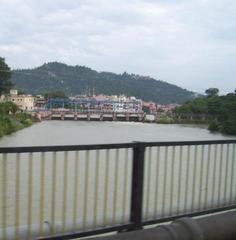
12, 120
218, 111
54, 94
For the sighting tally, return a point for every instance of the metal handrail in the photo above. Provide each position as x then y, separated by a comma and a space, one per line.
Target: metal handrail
58, 148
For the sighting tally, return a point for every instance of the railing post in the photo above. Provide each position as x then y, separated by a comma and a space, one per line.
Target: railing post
137, 186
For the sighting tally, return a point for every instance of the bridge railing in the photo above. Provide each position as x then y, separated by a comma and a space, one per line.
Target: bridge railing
65, 192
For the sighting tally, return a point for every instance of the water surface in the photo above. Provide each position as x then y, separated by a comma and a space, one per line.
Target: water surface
80, 132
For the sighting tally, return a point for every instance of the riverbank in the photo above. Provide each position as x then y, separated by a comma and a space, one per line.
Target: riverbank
213, 125
218, 111
11, 120
172, 120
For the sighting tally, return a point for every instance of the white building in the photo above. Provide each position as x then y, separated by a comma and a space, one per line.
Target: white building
2, 98
24, 102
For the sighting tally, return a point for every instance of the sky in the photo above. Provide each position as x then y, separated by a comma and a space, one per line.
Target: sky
189, 43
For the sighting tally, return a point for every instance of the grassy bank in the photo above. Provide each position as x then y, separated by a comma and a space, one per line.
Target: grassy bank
173, 120
222, 126
11, 120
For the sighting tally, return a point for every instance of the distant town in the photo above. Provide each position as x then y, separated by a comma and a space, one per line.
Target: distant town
88, 103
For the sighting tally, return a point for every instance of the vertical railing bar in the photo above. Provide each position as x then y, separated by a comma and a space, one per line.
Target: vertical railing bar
115, 186
226, 173
194, 176
232, 175
97, 163
53, 197
149, 166
157, 181
107, 165
137, 186
64, 193
214, 175
75, 196
220, 173
172, 180
180, 178
201, 177
125, 185
85, 199
106, 187
41, 201
165, 180
17, 197
187, 179
30, 188
4, 196
207, 175
145, 182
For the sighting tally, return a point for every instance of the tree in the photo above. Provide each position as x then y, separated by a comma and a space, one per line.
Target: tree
55, 94
10, 107
227, 114
5, 74
213, 105
199, 106
211, 92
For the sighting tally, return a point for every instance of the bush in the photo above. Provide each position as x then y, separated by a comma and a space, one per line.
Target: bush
8, 107
228, 127
213, 126
165, 120
10, 123
7, 125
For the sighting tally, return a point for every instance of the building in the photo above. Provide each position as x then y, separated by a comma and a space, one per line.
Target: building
103, 103
166, 109
2, 98
150, 107
39, 102
23, 101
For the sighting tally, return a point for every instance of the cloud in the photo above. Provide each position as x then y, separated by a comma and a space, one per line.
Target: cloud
188, 43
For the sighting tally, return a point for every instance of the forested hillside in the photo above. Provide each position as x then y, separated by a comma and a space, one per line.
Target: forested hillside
75, 80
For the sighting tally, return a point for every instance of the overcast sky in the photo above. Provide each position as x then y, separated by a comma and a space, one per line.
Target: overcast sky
190, 43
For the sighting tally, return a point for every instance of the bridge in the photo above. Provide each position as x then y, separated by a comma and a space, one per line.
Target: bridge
68, 192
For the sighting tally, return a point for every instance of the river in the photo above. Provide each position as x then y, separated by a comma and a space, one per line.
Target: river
80, 132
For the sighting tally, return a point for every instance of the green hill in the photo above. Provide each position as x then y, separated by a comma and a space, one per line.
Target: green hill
75, 80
